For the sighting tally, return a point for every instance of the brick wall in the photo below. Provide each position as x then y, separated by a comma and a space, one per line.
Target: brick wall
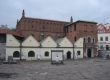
28, 26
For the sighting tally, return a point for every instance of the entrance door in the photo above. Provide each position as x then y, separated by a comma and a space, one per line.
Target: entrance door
68, 55
89, 52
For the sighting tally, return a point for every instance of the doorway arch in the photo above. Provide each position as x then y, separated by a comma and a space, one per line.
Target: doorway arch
89, 53
68, 55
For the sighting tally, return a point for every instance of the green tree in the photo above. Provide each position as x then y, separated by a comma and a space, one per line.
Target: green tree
13, 29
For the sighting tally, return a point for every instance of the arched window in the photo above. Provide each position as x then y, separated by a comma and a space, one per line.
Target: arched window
78, 52
46, 53
31, 54
16, 54
89, 39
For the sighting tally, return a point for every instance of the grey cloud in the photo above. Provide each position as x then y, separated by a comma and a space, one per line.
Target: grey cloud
92, 10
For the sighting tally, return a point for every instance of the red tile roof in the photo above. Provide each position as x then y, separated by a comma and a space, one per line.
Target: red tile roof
102, 27
7, 31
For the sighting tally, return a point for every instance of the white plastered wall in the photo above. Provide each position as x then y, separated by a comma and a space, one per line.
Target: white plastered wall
10, 51
42, 52
79, 47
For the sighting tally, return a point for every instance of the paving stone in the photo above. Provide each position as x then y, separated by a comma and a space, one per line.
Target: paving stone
84, 69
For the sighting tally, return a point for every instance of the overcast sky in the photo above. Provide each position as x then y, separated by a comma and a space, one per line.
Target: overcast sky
90, 10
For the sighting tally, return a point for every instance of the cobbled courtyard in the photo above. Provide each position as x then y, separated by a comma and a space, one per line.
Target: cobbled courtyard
82, 69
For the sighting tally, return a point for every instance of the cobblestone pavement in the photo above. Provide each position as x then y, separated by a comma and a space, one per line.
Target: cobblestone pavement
83, 69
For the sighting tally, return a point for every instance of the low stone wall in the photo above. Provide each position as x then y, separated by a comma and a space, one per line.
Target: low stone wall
2, 50
104, 52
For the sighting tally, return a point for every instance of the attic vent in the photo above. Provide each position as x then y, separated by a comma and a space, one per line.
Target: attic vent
58, 34
41, 34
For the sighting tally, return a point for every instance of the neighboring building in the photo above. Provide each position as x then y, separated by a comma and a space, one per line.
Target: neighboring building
107, 25
3, 33
103, 39
86, 30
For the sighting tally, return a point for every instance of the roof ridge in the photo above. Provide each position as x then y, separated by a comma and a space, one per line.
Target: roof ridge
46, 19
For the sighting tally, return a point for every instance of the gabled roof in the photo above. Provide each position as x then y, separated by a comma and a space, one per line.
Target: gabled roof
31, 41
44, 19
64, 42
59, 40
42, 40
107, 25
86, 21
81, 21
48, 42
7, 31
102, 27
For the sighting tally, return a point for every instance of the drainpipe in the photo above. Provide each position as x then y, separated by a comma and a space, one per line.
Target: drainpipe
20, 50
73, 51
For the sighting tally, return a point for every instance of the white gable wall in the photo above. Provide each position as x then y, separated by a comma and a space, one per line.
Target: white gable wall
49, 42
11, 40
65, 43
10, 51
79, 42
12, 44
30, 41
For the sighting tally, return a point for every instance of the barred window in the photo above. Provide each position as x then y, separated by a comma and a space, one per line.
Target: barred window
16, 54
78, 52
31, 54
46, 53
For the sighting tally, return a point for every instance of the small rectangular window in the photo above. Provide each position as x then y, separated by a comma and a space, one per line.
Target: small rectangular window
101, 38
106, 38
